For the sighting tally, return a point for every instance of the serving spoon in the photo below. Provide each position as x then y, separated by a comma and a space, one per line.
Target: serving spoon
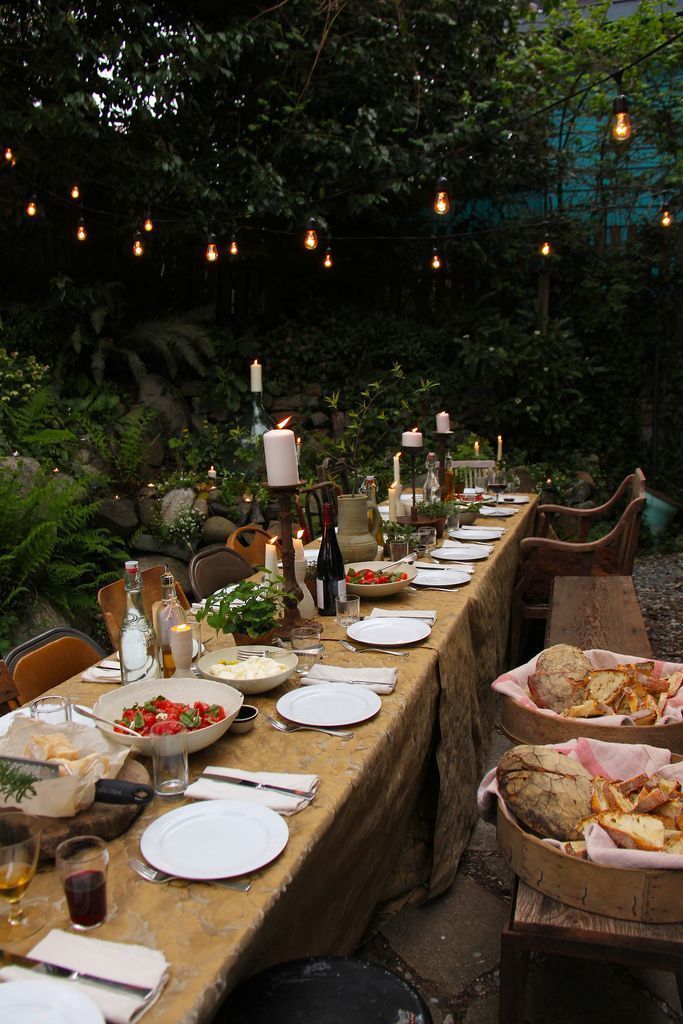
105, 721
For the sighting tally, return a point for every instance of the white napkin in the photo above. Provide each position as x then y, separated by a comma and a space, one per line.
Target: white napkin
502, 510
418, 613
379, 680
466, 544
116, 961
107, 671
207, 789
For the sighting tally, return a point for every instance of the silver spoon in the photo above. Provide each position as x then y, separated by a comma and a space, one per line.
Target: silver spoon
151, 874
105, 721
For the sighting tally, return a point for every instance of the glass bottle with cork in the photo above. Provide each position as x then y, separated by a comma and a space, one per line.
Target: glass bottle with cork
431, 489
167, 613
330, 573
258, 422
137, 642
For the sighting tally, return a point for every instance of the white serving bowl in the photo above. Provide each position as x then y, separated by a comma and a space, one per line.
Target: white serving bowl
188, 690
261, 685
372, 590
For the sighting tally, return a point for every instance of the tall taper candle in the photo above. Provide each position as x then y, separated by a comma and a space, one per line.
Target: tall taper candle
256, 371
499, 456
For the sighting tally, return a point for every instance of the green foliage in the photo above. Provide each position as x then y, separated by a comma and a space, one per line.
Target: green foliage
185, 529
33, 427
126, 447
50, 548
435, 509
19, 375
251, 608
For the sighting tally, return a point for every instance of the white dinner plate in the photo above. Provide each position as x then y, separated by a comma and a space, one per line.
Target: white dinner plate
214, 839
441, 578
495, 511
386, 632
6, 720
462, 553
329, 704
46, 1001
476, 533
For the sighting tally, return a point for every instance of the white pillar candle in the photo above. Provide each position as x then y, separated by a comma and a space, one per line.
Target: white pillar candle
411, 438
499, 456
298, 550
181, 648
476, 449
393, 504
271, 558
443, 423
281, 465
397, 468
256, 371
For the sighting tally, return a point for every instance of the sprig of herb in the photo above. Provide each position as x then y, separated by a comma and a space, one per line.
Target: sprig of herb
251, 608
15, 784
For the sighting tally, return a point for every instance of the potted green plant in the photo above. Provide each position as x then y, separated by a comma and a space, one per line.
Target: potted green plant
251, 611
434, 513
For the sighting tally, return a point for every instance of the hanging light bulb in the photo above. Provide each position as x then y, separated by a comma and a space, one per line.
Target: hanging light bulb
9, 155
545, 248
442, 199
81, 231
75, 191
436, 259
328, 262
665, 215
138, 247
311, 236
211, 252
32, 206
234, 247
148, 223
621, 119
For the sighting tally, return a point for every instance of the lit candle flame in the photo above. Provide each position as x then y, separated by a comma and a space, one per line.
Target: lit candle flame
283, 423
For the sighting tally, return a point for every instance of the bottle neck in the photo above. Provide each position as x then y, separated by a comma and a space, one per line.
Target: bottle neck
134, 605
168, 592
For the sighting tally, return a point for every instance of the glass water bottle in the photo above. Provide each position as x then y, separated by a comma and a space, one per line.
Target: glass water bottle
137, 642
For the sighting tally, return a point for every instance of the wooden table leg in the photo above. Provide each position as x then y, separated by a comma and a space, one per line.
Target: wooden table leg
514, 961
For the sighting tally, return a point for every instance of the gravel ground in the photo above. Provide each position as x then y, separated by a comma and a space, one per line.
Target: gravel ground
658, 580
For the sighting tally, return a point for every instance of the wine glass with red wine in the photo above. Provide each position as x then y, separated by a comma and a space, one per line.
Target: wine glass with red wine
498, 481
81, 863
19, 850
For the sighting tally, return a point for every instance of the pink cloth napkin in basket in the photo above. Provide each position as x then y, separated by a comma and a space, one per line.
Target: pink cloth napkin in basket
612, 761
514, 685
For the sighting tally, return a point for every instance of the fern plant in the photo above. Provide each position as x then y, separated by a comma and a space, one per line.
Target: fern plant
127, 447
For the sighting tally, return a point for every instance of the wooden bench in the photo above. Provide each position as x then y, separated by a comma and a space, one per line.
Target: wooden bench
588, 612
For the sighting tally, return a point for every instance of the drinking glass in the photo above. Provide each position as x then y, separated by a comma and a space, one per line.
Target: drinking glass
19, 849
169, 758
426, 538
81, 864
197, 645
348, 610
307, 646
52, 710
398, 549
498, 481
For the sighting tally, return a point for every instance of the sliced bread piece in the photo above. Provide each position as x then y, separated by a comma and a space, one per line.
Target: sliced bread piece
633, 831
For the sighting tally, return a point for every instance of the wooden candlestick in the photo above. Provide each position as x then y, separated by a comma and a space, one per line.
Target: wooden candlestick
292, 616
441, 440
412, 454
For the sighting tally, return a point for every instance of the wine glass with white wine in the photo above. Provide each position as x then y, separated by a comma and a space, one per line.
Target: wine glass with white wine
19, 849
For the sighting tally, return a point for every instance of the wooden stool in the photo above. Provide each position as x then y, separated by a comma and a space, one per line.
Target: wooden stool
540, 924
324, 990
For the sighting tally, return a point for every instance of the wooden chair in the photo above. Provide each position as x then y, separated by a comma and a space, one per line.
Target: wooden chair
112, 599
544, 558
47, 660
309, 507
250, 542
214, 567
476, 471
335, 471
632, 486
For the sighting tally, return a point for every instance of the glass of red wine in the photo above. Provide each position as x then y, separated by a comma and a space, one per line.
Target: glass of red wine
19, 850
498, 481
81, 863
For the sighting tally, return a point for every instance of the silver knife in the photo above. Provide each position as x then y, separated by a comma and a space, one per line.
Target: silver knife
307, 794
13, 959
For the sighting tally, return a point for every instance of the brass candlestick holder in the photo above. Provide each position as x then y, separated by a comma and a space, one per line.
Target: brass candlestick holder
412, 454
292, 616
442, 437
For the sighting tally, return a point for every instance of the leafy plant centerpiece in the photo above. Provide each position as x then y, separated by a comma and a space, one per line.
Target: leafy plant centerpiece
251, 609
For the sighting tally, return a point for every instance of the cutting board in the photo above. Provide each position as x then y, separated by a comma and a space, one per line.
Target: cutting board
105, 820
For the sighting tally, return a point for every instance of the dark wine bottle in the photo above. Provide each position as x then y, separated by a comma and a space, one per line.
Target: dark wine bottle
330, 575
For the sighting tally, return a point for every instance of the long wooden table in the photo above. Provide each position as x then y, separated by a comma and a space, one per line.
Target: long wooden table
389, 822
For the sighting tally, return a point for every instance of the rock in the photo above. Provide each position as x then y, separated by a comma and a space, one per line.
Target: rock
285, 403
146, 508
24, 467
41, 617
318, 420
202, 505
175, 565
217, 507
157, 393
176, 501
147, 542
217, 529
156, 452
582, 494
338, 420
118, 515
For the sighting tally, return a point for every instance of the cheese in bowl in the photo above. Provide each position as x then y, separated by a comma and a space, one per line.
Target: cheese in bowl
250, 673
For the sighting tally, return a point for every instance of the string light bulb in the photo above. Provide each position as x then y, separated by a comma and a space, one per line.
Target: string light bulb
211, 252
665, 215
436, 259
148, 223
234, 247
621, 119
32, 207
311, 235
545, 248
75, 191
81, 231
442, 199
9, 155
328, 262
138, 247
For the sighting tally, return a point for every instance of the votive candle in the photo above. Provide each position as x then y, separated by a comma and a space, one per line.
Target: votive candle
212, 473
411, 438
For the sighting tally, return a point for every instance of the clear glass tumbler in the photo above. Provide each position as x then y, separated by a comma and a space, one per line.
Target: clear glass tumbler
308, 646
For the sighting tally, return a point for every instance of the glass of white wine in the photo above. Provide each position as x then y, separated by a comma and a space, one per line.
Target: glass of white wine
19, 849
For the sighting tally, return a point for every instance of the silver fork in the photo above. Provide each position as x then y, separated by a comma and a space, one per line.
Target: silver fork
371, 650
292, 727
151, 874
443, 590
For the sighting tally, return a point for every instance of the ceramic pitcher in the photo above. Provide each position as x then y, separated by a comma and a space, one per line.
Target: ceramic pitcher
356, 543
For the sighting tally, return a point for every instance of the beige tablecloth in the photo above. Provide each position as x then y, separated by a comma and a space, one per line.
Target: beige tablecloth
392, 813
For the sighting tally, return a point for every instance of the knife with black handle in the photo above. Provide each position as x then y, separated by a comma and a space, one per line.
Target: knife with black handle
107, 791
